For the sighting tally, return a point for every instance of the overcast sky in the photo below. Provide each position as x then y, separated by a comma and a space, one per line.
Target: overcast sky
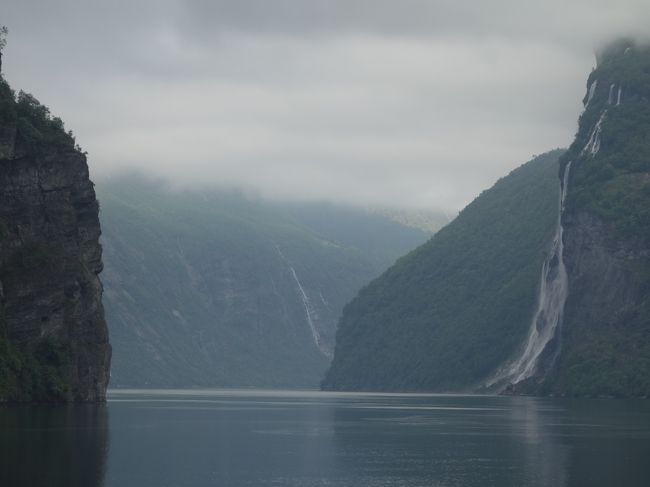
402, 103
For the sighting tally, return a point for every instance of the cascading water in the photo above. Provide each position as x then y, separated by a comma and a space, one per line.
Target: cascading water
554, 283
310, 312
593, 143
592, 91
548, 316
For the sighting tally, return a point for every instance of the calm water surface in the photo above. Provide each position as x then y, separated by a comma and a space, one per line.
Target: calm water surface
276, 438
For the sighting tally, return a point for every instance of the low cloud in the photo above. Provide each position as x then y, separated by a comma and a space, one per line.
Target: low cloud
401, 103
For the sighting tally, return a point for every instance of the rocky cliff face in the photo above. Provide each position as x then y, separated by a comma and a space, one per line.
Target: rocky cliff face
602, 346
53, 337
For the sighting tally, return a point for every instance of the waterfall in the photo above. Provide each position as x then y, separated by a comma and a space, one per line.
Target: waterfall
610, 98
553, 290
618, 98
592, 91
310, 312
593, 143
554, 284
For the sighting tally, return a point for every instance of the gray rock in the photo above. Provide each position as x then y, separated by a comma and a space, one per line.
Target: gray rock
50, 258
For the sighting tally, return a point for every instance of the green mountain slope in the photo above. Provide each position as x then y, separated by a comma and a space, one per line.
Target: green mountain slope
451, 311
215, 289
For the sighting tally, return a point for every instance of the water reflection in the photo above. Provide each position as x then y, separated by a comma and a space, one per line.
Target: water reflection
221, 438
52, 446
505, 441
533, 424
312, 439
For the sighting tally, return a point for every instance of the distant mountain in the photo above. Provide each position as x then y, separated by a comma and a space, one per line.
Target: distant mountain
451, 311
429, 221
217, 289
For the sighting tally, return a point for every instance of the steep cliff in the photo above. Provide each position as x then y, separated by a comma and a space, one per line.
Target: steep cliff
53, 337
602, 346
573, 316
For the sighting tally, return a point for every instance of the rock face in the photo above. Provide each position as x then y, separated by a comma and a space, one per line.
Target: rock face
602, 345
602, 348
604, 322
53, 337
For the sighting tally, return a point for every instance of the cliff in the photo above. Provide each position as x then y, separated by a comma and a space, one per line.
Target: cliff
442, 319
53, 337
602, 347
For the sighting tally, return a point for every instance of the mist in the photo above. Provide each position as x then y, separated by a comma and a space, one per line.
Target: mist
406, 104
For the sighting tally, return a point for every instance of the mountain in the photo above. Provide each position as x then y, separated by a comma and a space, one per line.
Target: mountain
53, 337
544, 293
455, 308
213, 288
602, 345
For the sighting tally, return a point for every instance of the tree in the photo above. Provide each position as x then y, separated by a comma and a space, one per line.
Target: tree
3, 41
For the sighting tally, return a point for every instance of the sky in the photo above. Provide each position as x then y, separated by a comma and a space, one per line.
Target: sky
398, 103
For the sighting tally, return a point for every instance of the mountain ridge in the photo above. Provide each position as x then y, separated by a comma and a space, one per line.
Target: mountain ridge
212, 288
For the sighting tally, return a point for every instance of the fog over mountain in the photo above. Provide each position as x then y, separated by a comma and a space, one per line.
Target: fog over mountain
399, 103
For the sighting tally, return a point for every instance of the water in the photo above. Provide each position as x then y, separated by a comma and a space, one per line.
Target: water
591, 93
310, 312
593, 144
610, 98
552, 296
260, 438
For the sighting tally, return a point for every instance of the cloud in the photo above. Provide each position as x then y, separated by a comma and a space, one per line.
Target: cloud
403, 103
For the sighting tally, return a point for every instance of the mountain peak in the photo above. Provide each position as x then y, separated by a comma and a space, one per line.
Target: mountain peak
615, 49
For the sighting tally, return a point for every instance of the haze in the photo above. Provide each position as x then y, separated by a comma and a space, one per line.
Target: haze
399, 103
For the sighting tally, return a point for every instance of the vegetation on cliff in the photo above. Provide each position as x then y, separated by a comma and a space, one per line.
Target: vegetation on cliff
53, 341
36, 128
33, 376
614, 184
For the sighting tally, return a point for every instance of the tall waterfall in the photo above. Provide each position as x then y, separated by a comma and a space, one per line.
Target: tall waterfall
310, 312
550, 307
554, 285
